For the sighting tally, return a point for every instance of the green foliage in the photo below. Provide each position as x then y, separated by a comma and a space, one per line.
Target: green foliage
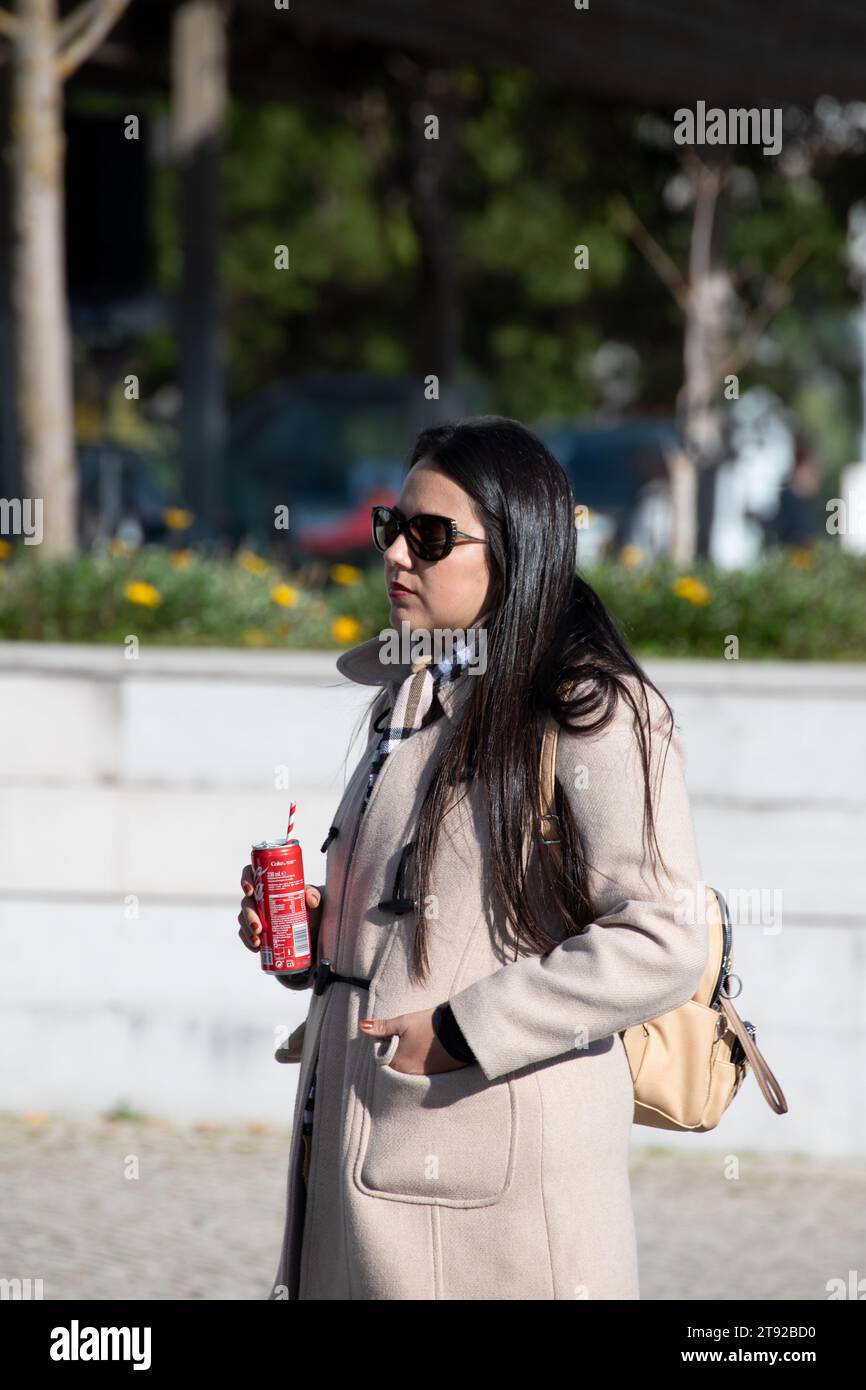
794, 605
313, 191
331, 172
121, 1112
203, 602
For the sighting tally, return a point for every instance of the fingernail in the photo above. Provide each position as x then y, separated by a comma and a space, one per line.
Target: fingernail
365, 1022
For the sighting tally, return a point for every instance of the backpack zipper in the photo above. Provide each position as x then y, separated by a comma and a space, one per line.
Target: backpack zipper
727, 938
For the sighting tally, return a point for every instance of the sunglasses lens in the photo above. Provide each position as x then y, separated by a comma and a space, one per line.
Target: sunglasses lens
430, 536
384, 529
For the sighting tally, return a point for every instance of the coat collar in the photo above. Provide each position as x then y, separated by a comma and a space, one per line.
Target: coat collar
362, 665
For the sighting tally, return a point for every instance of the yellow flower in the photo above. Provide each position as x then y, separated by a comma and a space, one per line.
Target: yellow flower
345, 629
254, 637
694, 590
35, 1117
140, 592
177, 518
117, 546
5, 549
181, 558
631, 555
252, 562
801, 557
285, 595
346, 574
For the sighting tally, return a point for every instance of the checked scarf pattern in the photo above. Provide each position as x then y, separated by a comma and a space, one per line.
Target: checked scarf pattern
414, 699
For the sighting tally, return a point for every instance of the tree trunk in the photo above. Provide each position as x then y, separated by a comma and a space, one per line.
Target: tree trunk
10, 444
438, 310
39, 287
707, 332
199, 76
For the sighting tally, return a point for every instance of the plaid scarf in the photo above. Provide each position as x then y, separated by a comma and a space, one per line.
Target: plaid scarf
414, 699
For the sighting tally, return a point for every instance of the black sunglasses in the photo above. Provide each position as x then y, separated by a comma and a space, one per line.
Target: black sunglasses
427, 536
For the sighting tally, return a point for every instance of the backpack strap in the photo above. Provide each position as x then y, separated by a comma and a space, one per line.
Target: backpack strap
548, 819
773, 1093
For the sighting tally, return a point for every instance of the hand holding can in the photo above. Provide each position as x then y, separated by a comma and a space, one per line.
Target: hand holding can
278, 887
251, 923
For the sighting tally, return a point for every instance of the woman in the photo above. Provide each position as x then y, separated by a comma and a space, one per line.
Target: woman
473, 1100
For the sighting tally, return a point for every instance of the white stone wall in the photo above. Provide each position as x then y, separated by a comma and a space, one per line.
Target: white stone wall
132, 791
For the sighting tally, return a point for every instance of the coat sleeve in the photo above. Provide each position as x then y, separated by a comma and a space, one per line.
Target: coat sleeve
645, 949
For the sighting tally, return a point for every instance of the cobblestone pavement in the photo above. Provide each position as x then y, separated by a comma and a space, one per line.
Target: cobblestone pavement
118, 1209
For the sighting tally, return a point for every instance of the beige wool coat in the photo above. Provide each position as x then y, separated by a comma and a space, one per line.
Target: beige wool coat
507, 1178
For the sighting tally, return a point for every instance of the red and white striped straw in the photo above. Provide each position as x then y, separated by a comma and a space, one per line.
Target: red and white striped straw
292, 808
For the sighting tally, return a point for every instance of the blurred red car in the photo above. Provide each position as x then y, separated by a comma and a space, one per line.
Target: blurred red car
351, 533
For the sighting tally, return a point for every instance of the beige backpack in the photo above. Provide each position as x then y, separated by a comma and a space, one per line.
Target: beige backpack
687, 1065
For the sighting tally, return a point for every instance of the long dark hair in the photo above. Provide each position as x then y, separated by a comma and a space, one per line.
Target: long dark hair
549, 631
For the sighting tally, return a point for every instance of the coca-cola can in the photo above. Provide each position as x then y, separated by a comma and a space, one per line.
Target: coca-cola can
278, 884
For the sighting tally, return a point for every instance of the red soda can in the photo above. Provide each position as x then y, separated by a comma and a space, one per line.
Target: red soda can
278, 884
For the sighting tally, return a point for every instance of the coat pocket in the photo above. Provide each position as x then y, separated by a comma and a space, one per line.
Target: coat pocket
447, 1139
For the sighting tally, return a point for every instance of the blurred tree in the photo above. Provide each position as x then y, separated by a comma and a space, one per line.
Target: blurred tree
45, 52
715, 344
531, 170
199, 41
